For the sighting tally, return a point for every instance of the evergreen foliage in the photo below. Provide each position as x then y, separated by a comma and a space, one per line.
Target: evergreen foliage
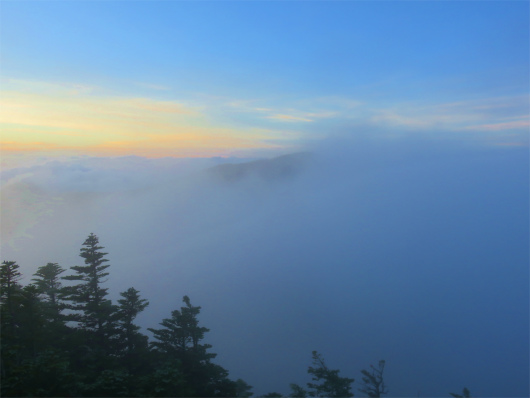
48, 283
47, 280
297, 391
243, 389
95, 349
96, 335
465, 394
88, 297
66, 341
10, 294
181, 334
328, 382
373, 383
180, 339
131, 344
9, 277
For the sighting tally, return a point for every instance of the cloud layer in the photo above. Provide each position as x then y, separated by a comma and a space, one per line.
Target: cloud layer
413, 250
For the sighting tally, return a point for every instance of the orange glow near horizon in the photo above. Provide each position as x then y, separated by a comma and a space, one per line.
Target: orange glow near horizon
52, 119
57, 120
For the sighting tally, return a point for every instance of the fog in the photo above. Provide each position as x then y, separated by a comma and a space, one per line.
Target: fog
411, 250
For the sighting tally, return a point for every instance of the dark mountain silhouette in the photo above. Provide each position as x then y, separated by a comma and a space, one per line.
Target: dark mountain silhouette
278, 168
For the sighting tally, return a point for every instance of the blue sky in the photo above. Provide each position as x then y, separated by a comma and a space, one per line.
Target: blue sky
260, 75
310, 48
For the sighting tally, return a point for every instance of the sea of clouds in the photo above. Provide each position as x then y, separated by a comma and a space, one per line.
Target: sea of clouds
411, 250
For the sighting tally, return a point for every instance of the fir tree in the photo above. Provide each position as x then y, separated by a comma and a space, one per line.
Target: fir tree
373, 383
243, 389
297, 391
9, 277
47, 280
33, 326
88, 297
179, 343
129, 307
132, 346
465, 394
94, 343
10, 289
181, 334
329, 383
48, 283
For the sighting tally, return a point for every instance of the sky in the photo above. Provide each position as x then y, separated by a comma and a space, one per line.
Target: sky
402, 236
200, 79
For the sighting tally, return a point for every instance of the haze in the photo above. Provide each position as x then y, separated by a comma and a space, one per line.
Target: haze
351, 178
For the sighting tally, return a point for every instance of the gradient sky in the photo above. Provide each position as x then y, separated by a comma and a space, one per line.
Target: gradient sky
237, 78
415, 208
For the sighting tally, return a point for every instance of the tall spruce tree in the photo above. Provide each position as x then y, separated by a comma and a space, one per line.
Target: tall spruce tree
9, 277
9, 290
47, 280
95, 314
179, 344
88, 297
32, 321
181, 334
48, 283
129, 307
133, 346
328, 382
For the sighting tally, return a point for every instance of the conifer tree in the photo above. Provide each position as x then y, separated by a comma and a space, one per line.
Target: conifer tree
88, 297
9, 289
93, 344
297, 391
330, 384
181, 334
9, 277
373, 383
132, 345
129, 307
47, 280
465, 394
179, 342
243, 389
31, 319
48, 283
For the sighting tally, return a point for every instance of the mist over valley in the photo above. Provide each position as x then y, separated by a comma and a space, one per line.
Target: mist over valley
414, 251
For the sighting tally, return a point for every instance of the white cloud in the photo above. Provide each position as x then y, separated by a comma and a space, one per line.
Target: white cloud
289, 118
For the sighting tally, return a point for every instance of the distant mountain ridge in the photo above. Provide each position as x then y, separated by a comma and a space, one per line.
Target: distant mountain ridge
278, 168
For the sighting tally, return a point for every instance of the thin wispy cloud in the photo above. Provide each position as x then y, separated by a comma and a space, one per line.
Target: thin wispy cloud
508, 112
490, 114
515, 125
289, 118
157, 87
304, 116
